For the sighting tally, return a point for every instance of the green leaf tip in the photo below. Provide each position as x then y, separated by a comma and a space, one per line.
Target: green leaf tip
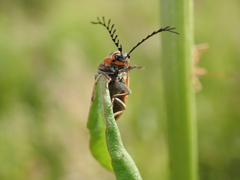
105, 142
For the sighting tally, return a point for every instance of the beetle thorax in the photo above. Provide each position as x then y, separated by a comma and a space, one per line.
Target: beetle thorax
117, 60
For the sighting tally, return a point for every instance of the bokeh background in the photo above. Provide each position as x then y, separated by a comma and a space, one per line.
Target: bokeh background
49, 53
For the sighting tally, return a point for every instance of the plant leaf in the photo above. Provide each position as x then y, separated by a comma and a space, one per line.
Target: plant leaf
123, 165
97, 124
106, 143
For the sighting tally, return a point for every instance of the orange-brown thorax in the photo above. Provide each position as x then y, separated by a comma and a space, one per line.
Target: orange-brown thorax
117, 59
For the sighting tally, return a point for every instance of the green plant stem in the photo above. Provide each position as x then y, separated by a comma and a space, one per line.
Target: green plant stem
178, 89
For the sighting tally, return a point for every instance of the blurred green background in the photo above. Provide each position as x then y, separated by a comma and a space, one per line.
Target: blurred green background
49, 53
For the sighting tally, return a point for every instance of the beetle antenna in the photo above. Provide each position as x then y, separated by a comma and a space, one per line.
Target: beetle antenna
168, 28
111, 31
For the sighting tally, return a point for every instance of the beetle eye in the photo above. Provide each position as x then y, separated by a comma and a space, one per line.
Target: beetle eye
118, 57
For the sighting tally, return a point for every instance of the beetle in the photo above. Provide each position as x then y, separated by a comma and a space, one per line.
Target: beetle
116, 66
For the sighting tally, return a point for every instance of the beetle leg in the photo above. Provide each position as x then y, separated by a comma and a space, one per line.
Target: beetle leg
102, 70
95, 76
118, 101
128, 68
121, 104
117, 113
103, 73
124, 88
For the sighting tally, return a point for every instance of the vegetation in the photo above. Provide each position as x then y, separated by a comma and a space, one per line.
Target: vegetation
49, 54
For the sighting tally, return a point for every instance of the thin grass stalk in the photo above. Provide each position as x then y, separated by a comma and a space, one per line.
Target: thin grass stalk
178, 89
